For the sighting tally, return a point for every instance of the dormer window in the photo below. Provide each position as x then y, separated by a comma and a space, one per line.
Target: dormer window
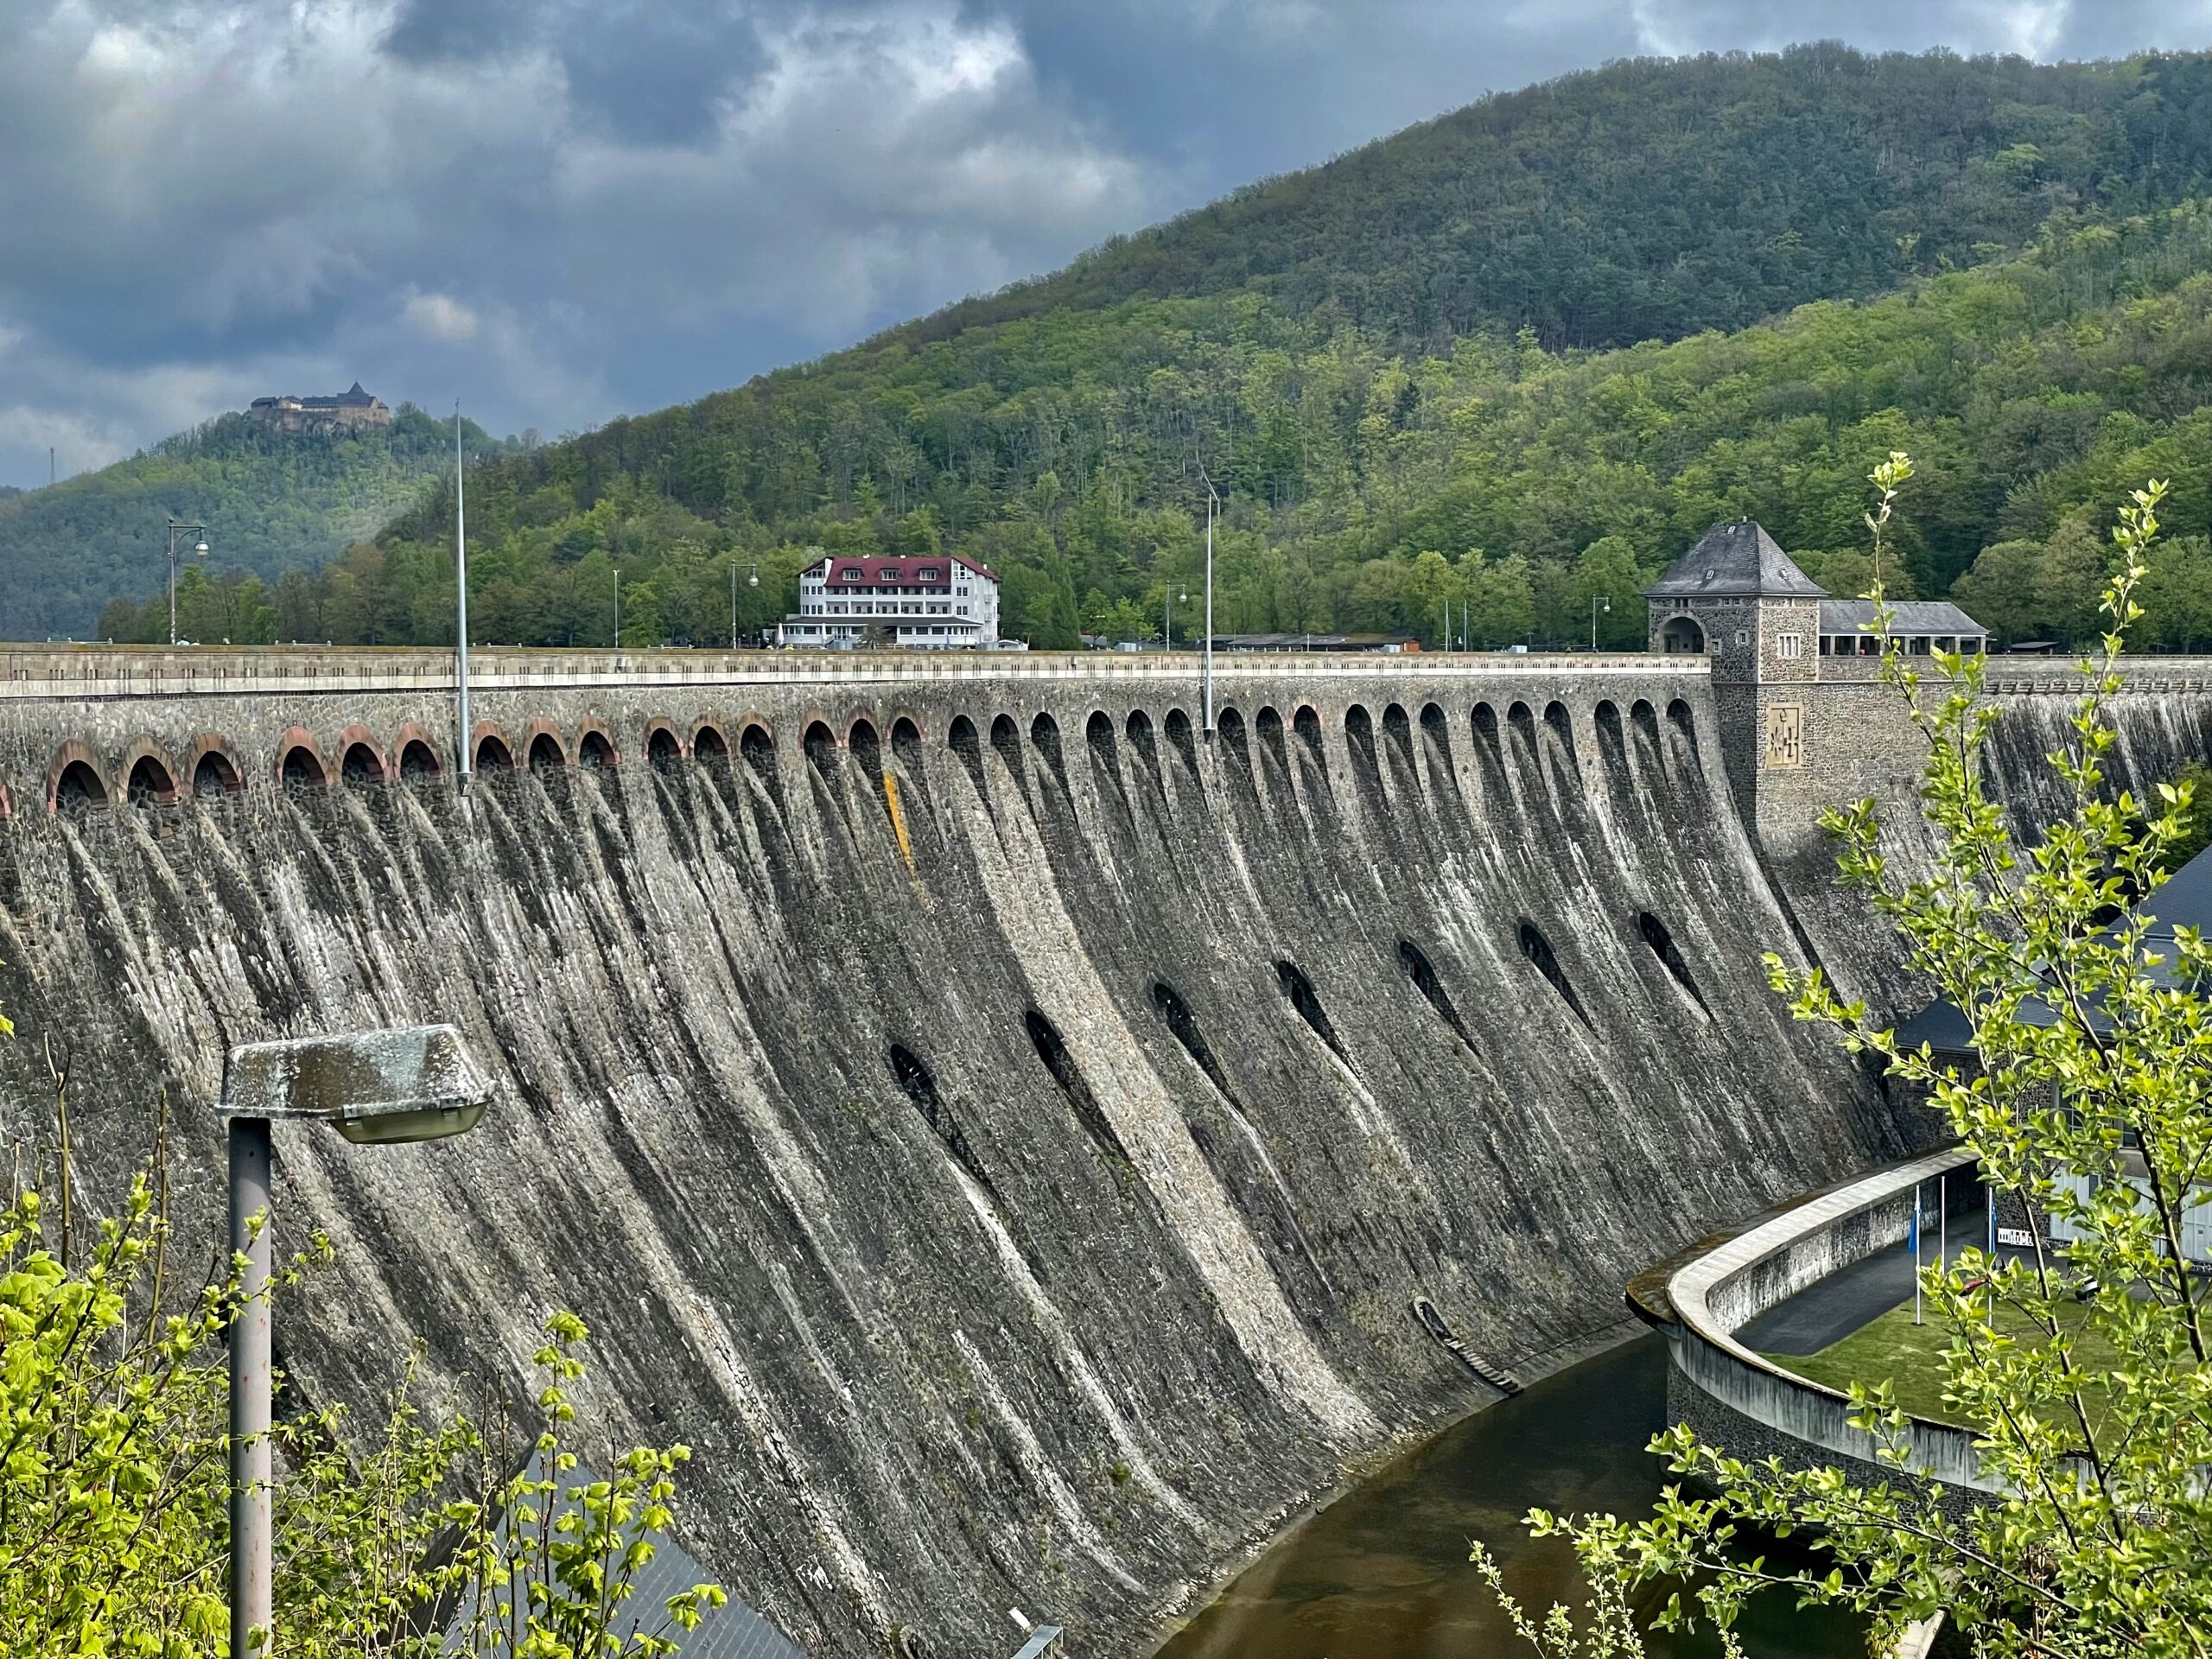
852, 572
927, 575
891, 573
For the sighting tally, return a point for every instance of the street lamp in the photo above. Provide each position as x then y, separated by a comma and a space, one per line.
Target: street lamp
1598, 603
1169, 593
618, 606
199, 550
414, 1083
752, 581
1213, 501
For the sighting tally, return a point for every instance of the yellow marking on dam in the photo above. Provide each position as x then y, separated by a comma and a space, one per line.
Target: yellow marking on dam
899, 822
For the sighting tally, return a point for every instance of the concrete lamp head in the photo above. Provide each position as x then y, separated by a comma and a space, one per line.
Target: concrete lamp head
414, 1082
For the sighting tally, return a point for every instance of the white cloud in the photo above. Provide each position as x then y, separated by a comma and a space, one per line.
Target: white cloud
438, 316
244, 182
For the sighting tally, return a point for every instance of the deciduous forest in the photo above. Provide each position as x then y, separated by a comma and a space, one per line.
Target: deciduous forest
1460, 382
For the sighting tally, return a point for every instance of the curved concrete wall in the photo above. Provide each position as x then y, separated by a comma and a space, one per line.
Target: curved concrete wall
1008, 1149
1721, 1291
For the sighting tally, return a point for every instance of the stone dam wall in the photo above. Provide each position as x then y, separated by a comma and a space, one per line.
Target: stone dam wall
1001, 1131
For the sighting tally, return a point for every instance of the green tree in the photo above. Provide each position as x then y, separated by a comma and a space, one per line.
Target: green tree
1501, 600
114, 1490
2090, 1104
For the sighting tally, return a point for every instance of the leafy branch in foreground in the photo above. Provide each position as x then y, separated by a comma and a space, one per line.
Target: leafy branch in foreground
446, 1535
2089, 1105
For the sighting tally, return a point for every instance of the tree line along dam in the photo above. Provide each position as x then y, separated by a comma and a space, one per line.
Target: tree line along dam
1008, 1135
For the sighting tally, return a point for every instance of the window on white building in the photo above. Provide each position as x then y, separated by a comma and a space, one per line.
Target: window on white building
852, 575
926, 575
891, 573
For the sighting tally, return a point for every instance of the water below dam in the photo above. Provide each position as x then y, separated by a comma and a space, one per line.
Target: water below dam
1383, 1572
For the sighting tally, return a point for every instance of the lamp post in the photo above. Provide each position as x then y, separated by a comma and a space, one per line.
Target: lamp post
1169, 593
752, 581
618, 605
460, 594
374, 1088
1598, 603
1213, 501
199, 550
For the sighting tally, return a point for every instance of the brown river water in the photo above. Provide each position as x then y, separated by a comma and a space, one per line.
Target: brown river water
1383, 1572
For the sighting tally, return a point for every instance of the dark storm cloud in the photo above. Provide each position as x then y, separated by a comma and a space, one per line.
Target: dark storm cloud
650, 72
562, 209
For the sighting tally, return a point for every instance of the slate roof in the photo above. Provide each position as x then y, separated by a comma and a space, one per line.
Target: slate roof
1908, 616
897, 569
733, 1631
2185, 900
1732, 560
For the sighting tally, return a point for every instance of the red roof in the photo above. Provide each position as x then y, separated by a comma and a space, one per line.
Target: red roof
902, 572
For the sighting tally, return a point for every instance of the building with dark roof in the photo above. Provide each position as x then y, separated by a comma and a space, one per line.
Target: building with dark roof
353, 407
1794, 671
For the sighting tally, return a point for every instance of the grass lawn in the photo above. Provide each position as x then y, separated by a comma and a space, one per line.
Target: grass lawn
1911, 1356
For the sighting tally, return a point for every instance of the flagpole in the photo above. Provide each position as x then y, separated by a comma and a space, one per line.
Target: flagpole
460, 585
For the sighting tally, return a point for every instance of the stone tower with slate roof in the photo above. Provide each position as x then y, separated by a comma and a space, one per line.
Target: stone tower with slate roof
1737, 599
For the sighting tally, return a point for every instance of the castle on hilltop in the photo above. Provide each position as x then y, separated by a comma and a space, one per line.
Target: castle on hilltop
353, 408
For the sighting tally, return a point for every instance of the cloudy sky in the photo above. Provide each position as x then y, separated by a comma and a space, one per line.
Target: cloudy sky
560, 210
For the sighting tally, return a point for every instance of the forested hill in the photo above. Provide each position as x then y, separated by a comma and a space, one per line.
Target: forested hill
272, 501
1391, 366
1654, 198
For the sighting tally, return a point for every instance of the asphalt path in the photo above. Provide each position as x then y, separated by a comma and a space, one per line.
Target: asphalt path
1827, 1312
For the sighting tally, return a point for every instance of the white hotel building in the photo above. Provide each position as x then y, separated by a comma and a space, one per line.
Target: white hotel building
935, 603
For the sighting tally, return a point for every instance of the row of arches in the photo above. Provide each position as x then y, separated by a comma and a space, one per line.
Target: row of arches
211, 768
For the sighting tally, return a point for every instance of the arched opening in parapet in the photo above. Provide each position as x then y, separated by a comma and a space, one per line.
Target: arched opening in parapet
1423, 974
663, 751
1538, 949
1138, 729
149, 781
1436, 727
418, 763
961, 736
817, 743
1562, 727
906, 746
1398, 736
1521, 737
1644, 721
1680, 634
79, 786
594, 751
1299, 990
301, 767
1176, 1014
1358, 725
1267, 724
1051, 1048
492, 753
546, 753
1662, 946
862, 742
1229, 725
1044, 738
215, 775
1678, 713
1098, 734
360, 765
1178, 727
1308, 725
756, 746
708, 744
